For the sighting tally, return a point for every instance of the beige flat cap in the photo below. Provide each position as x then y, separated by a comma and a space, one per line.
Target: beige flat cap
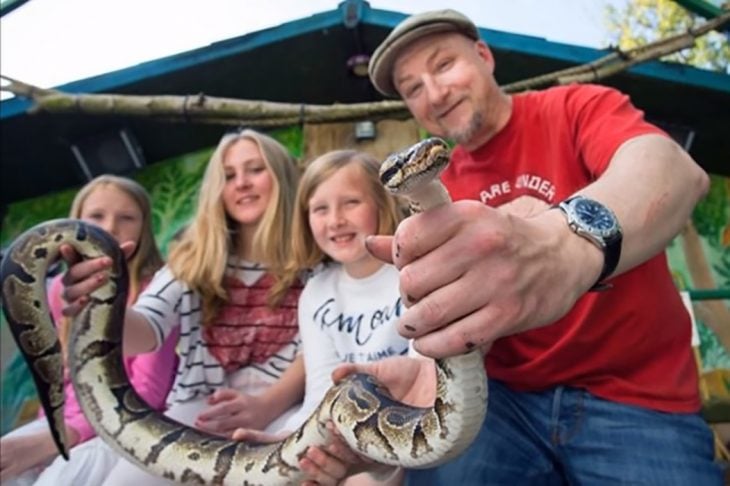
409, 30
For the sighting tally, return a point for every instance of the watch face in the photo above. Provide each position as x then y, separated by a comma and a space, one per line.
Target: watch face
594, 215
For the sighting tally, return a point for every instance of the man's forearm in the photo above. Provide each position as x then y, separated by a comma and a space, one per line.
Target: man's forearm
652, 185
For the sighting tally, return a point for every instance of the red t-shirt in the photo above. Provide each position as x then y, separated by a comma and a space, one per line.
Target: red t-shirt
630, 344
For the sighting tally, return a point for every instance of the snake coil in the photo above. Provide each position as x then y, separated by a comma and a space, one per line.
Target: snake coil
370, 421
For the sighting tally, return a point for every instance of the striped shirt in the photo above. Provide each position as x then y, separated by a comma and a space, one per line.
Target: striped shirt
247, 347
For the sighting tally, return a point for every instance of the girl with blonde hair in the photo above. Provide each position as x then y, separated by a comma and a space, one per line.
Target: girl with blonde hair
122, 208
350, 305
145, 259
236, 337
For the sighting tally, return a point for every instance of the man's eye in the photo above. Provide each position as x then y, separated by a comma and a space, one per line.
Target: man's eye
412, 91
444, 64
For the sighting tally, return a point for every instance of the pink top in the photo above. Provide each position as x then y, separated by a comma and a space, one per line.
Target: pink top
151, 374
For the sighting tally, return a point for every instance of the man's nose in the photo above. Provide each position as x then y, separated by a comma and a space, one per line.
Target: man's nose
436, 91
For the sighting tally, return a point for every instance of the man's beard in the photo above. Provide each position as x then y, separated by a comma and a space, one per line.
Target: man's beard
476, 123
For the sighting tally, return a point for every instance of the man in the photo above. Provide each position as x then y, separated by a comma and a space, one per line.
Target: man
591, 376
551, 259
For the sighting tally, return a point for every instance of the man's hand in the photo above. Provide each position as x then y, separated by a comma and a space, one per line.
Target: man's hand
524, 207
470, 274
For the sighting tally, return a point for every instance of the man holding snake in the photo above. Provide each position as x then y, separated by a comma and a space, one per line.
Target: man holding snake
551, 260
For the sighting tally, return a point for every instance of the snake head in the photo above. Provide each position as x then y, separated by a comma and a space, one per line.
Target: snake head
407, 170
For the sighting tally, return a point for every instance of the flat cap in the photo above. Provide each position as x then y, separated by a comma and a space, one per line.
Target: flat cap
408, 31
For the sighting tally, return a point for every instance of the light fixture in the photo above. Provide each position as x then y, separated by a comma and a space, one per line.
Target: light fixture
113, 152
364, 130
358, 65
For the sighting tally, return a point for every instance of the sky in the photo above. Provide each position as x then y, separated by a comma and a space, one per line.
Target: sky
52, 42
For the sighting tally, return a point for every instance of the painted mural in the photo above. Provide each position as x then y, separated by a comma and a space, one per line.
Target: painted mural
699, 258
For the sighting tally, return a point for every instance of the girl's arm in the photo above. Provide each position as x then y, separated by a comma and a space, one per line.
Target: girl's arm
152, 374
287, 391
318, 349
76, 423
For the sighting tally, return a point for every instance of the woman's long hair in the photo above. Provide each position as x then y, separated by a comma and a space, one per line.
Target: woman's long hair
199, 258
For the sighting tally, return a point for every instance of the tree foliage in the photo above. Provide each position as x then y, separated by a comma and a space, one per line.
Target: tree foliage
712, 213
640, 22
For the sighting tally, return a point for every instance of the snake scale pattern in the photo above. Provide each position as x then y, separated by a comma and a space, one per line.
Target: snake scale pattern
371, 422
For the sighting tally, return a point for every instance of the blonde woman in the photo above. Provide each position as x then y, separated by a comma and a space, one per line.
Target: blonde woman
236, 335
122, 208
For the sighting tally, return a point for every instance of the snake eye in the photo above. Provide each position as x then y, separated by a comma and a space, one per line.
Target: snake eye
391, 165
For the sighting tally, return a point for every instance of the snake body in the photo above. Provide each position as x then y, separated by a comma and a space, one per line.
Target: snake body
364, 413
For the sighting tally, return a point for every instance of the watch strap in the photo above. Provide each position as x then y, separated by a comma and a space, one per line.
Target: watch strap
611, 257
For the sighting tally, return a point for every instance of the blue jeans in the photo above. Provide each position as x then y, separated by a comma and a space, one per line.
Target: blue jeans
569, 436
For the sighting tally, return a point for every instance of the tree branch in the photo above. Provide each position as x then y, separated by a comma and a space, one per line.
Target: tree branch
204, 109
620, 60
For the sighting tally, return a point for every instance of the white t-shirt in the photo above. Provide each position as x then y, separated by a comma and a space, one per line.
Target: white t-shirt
346, 319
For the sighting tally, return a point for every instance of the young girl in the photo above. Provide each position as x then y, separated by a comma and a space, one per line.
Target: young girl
122, 208
349, 307
237, 336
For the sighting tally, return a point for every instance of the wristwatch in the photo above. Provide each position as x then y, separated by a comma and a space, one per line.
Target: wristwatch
598, 224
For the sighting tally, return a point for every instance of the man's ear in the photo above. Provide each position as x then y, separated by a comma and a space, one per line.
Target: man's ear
485, 53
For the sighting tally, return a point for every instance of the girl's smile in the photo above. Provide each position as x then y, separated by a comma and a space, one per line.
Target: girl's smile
341, 214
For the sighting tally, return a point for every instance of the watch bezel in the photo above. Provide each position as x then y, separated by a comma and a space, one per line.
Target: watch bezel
580, 225
609, 240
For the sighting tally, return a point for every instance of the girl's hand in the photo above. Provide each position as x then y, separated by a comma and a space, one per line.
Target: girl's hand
322, 466
410, 380
335, 462
257, 436
84, 276
230, 410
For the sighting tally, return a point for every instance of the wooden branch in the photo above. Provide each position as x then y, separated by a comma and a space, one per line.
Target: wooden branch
21, 89
620, 60
204, 109
200, 107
